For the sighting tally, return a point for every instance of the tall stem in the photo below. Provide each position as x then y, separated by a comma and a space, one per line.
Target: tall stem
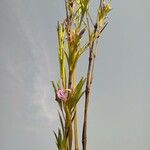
87, 97
88, 87
70, 125
75, 118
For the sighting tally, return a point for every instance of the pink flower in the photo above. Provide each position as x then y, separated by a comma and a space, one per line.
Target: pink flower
62, 94
104, 5
72, 37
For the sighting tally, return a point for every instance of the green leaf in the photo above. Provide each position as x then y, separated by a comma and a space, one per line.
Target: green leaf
84, 9
68, 121
103, 11
61, 141
79, 86
71, 57
55, 135
54, 87
61, 122
61, 53
58, 85
75, 59
107, 9
77, 55
76, 95
79, 97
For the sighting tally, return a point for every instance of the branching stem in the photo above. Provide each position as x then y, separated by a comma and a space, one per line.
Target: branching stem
92, 56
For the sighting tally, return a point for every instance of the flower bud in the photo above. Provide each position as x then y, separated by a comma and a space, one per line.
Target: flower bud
62, 95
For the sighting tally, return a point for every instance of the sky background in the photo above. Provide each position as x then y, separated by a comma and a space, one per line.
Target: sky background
120, 103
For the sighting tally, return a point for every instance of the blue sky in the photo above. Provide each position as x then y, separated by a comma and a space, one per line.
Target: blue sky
120, 106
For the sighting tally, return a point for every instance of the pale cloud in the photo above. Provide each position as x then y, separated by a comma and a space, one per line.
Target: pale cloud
43, 100
39, 66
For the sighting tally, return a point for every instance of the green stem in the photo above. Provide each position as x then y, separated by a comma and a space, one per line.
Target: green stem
75, 118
